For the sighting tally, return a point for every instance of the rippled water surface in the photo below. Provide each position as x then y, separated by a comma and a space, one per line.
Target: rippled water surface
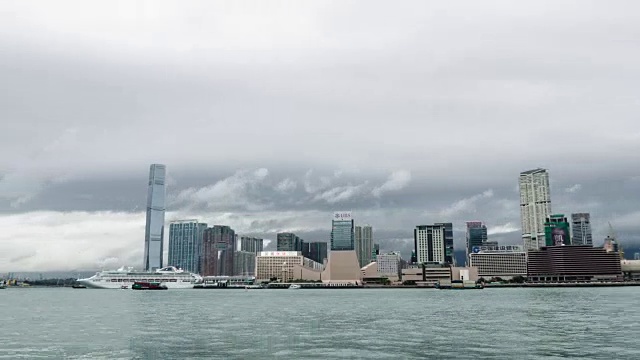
320, 324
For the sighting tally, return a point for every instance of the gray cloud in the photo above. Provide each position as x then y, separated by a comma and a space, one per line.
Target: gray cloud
270, 119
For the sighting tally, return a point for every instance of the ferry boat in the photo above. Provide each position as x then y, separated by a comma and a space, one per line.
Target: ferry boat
141, 285
170, 276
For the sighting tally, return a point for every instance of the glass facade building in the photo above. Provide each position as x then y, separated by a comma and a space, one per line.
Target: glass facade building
364, 244
476, 236
185, 244
154, 229
289, 242
342, 232
581, 229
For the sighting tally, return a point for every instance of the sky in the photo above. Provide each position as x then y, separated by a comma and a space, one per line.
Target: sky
271, 115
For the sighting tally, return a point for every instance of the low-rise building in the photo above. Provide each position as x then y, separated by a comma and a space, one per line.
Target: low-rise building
572, 263
389, 266
281, 265
506, 261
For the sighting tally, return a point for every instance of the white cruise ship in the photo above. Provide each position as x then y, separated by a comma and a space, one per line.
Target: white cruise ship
171, 276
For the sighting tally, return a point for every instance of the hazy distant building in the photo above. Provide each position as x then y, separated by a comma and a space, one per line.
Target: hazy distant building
251, 244
476, 236
535, 206
556, 231
317, 251
376, 251
218, 247
342, 232
581, 229
244, 263
185, 244
154, 229
289, 242
364, 244
434, 243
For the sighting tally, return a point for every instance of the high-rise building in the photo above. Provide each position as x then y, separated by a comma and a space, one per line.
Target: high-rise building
556, 231
581, 229
342, 231
218, 247
244, 263
317, 251
185, 244
364, 244
535, 206
289, 242
251, 244
376, 251
476, 236
154, 229
430, 243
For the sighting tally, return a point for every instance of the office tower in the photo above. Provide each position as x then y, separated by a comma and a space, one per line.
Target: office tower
154, 229
185, 244
535, 206
251, 244
289, 242
218, 246
364, 244
342, 231
476, 236
556, 231
317, 251
434, 243
244, 263
581, 229
376, 251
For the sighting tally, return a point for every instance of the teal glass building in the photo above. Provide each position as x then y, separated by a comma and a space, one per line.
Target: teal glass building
185, 244
342, 231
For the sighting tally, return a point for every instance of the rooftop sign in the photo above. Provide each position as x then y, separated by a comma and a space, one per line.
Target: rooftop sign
279, 253
342, 216
500, 248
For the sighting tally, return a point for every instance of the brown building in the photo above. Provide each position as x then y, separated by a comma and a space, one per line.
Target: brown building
572, 263
218, 246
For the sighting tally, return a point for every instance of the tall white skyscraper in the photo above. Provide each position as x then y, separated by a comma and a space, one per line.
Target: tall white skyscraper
364, 244
535, 206
430, 243
154, 230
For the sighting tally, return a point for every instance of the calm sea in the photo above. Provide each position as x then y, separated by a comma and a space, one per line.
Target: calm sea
66, 323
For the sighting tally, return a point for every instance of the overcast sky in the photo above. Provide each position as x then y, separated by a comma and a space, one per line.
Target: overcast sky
270, 115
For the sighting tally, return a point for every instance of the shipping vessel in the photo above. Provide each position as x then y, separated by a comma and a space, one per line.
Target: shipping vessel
170, 276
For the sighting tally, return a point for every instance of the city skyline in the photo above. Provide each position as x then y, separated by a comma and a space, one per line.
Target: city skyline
318, 133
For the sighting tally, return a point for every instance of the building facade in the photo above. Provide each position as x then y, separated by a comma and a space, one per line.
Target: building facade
317, 251
535, 206
251, 244
556, 231
244, 263
389, 265
476, 235
506, 262
342, 232
154, 229
364, 244
581, 229
218, 248
289, 242
572, 263
281, 264
434, 243
185, 244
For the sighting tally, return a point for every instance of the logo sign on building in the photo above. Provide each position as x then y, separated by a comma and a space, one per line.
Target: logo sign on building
476, 249
501, 248
279, 253
342, 216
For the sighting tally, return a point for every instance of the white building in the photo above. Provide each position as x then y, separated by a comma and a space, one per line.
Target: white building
280, 264
506, 261
364, 244
430, 243
389, 265
535, 206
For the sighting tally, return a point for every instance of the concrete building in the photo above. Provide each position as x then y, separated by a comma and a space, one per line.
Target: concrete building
342, 231
431, 274
572, 263
289, 242
434, 243
185, 244
284, 265
389, 265
317, 251
506, 261
251, 244
370, 272
154, 229
476, 235
535, 206
244, 263
581, 229
364, 244
556, 231
218, 247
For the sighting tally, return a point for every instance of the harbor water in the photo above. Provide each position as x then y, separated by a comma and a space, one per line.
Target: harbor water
65, 323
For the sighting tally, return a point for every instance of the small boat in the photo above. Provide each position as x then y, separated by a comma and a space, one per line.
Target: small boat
139, 285
294, 287
78, 286
458, 285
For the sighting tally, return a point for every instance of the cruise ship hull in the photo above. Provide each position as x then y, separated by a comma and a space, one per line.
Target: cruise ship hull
119, 279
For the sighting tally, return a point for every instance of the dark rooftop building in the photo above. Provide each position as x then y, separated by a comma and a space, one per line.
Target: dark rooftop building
572, 263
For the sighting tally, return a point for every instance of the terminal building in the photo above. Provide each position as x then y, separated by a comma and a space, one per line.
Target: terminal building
573, 263
506, 261
283, 265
